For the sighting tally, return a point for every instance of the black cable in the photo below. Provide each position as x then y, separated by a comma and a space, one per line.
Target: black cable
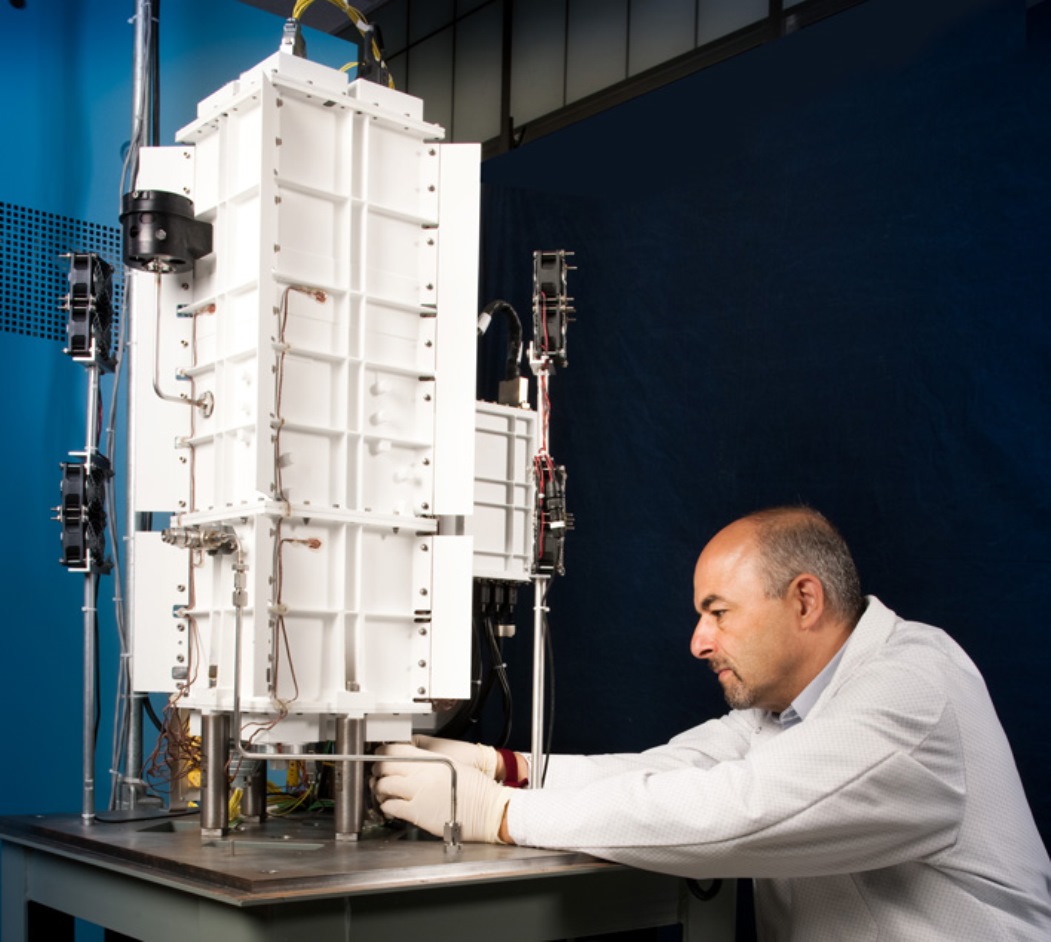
152, 713
704, 894
499, 671
514, 335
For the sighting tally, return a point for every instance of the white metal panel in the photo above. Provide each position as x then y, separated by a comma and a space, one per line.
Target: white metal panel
161, 642
161, 465
504, 492
457, 328
450, 654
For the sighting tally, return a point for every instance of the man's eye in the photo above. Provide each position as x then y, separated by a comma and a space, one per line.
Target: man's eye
718, 612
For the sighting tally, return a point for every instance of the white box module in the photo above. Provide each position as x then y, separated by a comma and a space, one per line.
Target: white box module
332, 331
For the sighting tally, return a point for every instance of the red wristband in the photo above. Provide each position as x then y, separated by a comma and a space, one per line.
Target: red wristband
511, 779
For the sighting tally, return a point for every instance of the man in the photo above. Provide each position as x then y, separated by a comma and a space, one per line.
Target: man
862, 777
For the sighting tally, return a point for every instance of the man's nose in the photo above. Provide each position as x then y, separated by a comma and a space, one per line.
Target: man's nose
701, 644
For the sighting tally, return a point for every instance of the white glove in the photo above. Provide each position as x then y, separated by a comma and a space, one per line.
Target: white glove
472, 754
419, 792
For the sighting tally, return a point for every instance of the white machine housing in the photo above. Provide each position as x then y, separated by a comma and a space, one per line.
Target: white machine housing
332, 333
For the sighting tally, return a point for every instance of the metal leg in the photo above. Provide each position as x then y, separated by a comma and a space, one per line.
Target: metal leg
253, 805
349, 789
215, 789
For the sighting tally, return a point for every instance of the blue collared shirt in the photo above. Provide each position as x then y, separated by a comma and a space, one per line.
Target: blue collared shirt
804, 703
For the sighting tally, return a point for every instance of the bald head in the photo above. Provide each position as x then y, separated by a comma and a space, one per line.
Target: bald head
777, 596
793, 540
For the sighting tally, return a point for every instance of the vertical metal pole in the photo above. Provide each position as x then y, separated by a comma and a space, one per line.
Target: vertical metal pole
349, 785
540, 586
87, 810
536, 767
139, 107
215, 791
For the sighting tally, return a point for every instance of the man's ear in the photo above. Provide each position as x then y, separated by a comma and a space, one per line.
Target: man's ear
808, 597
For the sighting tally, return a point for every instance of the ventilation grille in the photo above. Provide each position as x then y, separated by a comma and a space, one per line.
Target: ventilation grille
33, 277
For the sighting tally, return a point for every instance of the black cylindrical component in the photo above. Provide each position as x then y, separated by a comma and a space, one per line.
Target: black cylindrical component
253, 804
160, 231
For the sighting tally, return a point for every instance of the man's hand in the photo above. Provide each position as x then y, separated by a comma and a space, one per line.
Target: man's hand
419, 792
473, 754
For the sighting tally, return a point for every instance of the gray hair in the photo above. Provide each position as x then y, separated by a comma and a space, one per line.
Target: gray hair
794, 540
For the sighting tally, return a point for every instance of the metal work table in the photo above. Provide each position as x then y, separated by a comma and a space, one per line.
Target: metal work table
158, 881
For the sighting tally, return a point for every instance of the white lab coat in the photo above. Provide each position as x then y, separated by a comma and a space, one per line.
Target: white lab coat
894, 811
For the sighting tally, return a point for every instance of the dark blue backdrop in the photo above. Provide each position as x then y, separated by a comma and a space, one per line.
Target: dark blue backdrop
817, 272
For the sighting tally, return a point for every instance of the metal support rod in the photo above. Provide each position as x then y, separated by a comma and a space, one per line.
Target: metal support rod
215, 790
536, 768
139, 122
542, 369
87, 810
349, 789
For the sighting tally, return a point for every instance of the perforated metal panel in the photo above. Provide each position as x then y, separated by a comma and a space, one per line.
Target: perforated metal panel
33, 276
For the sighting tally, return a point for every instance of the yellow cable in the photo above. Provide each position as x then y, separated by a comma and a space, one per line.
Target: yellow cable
360, 23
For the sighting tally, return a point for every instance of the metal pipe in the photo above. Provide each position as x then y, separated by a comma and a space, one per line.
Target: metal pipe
536, 769
349, 780
139, 86
139, 83
542, 368
87, 810
215, 790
